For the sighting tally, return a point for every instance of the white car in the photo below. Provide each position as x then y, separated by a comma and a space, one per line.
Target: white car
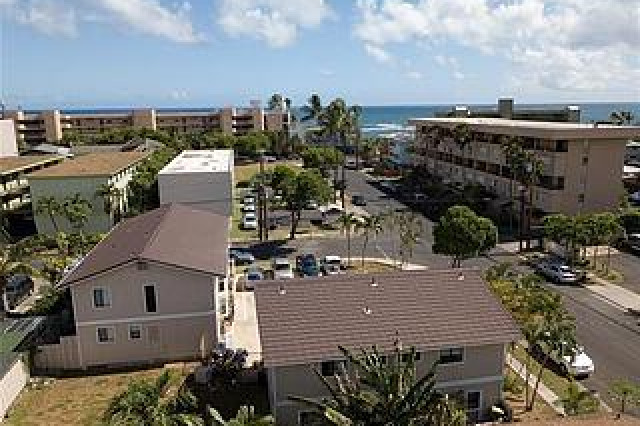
249, 208
331, 265
578, 363
249, 199
282, 268
557, 272
249, 221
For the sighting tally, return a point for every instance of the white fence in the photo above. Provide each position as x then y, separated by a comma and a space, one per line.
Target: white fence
11, 384
60, 356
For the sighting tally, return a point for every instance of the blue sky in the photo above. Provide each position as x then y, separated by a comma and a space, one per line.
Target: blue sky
76, 53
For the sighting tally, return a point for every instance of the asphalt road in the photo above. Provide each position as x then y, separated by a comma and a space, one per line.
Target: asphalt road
609, 335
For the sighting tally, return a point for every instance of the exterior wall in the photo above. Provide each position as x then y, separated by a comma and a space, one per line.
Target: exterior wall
481, 370
52, 125
11, 384
206, 190
8, 142
14, 185
60, 356
184, 321
144, 118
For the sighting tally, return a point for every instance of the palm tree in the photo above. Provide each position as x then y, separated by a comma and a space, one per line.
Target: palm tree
355, 112
347, 221
530, 168
376, 390
621, 118
111, 198
512, 150
410, 230
313, 109
576, 401
336, 122
51, 207
12, 262
390, 219
145, 403
246, 416
369, 225
276, 101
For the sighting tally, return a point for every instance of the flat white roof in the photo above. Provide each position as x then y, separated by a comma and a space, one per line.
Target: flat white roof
201, 161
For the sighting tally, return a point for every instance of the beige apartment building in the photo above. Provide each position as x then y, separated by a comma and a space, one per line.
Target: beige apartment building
148, 292
582, 163
302, 322
85, 175
14, 177
33, 128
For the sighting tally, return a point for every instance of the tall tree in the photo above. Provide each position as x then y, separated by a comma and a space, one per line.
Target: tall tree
313, 109
378, 390
77, 210
347, 222
336, 123
576, 401
111, 199
410, 228
370, 225
51, 207
626, 392
621, 118
276, 101
355, 113
462, 234
512, 151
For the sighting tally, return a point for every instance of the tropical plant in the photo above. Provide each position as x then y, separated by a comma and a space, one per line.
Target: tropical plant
12, 261
111, 199
145, 403
276, 101
225, 366
370, 225
621, 118
49, 297
383, 390
576, 401
355, 113
626, 392
462, 234
51, 207
313, 109
347, 223
322, 158
246, 416
410, 228
77, 210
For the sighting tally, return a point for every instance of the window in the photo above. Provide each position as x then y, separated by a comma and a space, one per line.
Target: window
473, 405
330, 368
150, 303
135, 332
106, 334
585, 160
562, 146
581, 198
222, 305
451, 355
101, 297
220, 284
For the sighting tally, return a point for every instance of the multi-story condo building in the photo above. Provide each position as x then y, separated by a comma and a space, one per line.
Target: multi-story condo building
302, 323
14, 173
582, 163
49, 126
506, 109
88, 176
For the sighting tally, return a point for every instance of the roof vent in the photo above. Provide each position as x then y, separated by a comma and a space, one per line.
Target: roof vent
374, 283
460, 276
281, 290
367, 310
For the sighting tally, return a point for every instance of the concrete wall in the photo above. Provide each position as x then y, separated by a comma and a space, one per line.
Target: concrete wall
183, 325
481, 370
11, 384
207, 191
8, 141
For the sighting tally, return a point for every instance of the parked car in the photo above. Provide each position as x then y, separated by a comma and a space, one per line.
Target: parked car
249, 208
18, 288
572, 362
556, 272
253, 274
307, 265
331, 265
248, 199
249, 221
632, 243
350, 163
241, 257
311, 205
358, 200
282, 268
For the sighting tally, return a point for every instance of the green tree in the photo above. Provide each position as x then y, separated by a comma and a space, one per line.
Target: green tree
111, 199
410, 229
355, 113
626, 392
576, 401
313, 109
347, 222
378, 390
145, 403
12, 261
322, 158
51, 207
462, 234
336, 121
246, 416
77, 210
49, 297
276, 101
621, 118
370, 225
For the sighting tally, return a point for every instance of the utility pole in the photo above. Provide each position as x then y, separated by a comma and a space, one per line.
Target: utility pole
261, 200
522, 217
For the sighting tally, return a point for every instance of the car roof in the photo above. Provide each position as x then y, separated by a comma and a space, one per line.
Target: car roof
332, 257
281, 260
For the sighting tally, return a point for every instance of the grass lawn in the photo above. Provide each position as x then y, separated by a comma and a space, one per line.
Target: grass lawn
76, 400
245, 172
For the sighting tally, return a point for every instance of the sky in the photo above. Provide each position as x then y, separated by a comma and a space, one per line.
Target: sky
199, 53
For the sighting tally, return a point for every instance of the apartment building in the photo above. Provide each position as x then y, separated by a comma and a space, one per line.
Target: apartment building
582, 163
302, 322
8, 141
148, 291
86, 175
14, 177
506, 109
199, 178
33, 128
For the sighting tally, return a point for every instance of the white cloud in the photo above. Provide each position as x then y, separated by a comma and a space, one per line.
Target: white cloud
61, 17
378, 53
151, 17
179, 95
414, 75
451, 64
557, 44
275, 21
327, 73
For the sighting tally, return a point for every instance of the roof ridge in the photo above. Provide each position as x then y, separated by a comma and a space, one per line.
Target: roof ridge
156, 230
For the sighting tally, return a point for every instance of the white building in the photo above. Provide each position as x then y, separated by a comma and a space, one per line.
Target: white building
203, 179
86, 175
8, 144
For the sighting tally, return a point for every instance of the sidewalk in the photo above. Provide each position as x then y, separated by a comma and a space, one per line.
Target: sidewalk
544, 392
244, 329
391, 262
619, 296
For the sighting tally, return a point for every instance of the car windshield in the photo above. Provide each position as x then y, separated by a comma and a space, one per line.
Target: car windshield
281, 267
249, 216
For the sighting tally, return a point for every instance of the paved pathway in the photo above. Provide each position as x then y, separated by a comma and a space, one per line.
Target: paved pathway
244, 331
619, 296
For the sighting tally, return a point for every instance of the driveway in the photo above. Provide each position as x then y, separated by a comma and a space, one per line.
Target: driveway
245, 326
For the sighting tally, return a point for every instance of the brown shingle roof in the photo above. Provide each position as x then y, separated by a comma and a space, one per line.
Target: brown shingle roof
172, 234
12, 164
96, 164
427, 309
